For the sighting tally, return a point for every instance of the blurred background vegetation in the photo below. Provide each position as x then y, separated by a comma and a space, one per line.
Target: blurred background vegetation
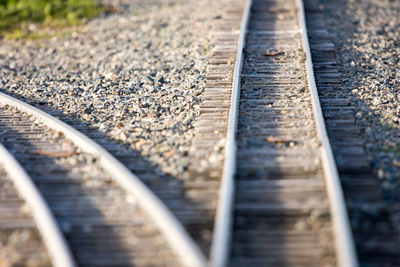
18, 16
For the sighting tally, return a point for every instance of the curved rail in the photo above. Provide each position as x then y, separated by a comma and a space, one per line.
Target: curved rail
53, 238
223, 221
180, 241
344, 243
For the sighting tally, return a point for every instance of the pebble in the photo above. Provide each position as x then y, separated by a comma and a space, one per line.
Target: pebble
137, 75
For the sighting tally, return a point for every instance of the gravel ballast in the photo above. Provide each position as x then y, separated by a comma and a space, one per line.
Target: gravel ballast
367, 41
137, 76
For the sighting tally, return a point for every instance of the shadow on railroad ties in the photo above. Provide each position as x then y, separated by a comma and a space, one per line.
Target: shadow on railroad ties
168, 188
67, 194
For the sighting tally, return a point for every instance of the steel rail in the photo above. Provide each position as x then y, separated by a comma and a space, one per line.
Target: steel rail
53, 239
221, 239
180, 241
344, 243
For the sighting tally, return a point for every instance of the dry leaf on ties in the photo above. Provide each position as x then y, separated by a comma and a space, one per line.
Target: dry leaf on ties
272, 53
56, 153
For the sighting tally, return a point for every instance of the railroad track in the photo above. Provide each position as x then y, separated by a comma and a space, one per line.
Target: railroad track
280, 200
107, 216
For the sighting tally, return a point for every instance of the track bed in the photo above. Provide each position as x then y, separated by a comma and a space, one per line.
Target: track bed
281, 214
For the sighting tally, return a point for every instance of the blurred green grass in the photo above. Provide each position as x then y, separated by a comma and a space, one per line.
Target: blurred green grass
16, 15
